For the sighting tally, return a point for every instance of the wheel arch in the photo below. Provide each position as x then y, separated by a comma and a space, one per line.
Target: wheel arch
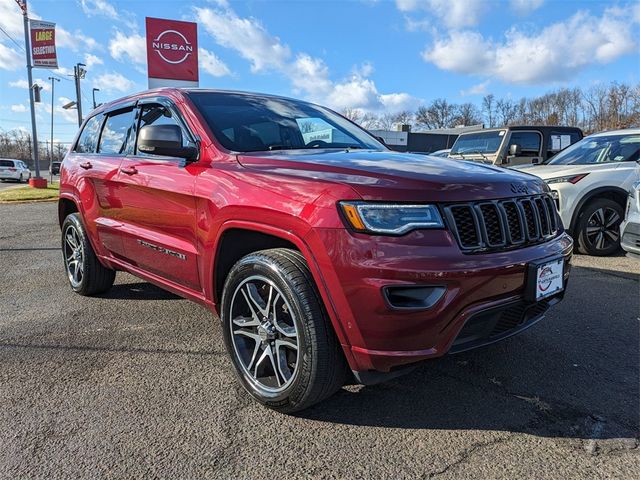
616, 194
66, 206
268, 237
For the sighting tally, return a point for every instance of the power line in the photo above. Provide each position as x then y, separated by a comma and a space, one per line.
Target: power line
21, 47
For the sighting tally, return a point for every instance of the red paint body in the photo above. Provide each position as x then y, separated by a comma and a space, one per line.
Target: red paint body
187, 208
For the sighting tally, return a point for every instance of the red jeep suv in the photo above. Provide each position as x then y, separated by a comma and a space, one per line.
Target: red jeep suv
327, 257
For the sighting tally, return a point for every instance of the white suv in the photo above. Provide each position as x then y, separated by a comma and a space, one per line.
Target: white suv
630, 228
14, 170
589, 181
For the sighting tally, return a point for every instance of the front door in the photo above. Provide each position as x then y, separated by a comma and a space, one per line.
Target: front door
530, 142
159, 208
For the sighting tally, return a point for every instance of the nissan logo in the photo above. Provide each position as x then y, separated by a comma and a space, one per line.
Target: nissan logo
519, 188
172, 44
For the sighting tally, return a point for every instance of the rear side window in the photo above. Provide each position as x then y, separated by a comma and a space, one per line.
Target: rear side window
88, 141
116, 132
6, 163
529, 142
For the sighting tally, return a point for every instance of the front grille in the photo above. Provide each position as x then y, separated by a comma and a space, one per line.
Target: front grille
502, 224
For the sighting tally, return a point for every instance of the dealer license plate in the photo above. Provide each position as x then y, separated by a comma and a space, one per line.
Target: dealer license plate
549, 278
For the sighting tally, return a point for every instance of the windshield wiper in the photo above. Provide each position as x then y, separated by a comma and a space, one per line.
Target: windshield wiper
283, 147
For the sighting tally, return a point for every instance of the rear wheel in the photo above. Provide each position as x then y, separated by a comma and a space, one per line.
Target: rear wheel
277, 333
86, 275
599, 227
21, 179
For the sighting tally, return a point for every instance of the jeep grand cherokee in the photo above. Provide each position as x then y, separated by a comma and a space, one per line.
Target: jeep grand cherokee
326, 256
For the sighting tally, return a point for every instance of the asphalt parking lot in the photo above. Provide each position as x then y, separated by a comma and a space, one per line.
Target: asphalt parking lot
136, 383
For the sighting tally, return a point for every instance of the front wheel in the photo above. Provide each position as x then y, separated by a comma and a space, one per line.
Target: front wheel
277, 333
599, 227
86, 275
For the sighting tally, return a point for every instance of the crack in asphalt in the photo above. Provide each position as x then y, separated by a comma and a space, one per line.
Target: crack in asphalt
467, 453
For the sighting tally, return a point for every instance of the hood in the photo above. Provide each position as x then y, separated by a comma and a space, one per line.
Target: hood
388, 175
546, 172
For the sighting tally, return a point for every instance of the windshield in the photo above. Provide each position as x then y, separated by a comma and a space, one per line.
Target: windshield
481, 142
600, 149
251, 123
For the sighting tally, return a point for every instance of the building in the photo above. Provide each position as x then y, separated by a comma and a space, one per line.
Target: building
404, 140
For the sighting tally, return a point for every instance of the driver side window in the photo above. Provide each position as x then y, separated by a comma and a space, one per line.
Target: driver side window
156, 114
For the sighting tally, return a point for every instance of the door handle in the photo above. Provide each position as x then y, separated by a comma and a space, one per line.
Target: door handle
129, 170
86, 165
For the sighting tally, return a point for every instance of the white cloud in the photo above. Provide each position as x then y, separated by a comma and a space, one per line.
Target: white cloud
478, 89
103, 8
11, 18
128, 48
452, 13
22, 83
74, 41
10, 59
211, 64
555, 53
91, 60
18, 108
525, 7
113, 82
309, 76
245, 35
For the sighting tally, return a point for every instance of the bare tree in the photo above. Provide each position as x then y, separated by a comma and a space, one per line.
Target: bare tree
488, 108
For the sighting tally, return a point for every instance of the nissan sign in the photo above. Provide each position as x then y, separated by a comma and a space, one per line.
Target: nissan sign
172, 53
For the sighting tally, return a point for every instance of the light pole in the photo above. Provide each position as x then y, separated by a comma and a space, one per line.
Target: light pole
53, 80
79, 73
94, 97
27, 43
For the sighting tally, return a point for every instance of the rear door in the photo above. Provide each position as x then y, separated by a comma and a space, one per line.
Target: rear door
158, 204
93, 175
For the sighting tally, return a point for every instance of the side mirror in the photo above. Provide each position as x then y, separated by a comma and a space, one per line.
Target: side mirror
164, 140
515, 150
536, 160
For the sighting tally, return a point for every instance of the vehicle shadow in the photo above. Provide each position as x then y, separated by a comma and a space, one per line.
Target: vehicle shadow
575, 375
138, 291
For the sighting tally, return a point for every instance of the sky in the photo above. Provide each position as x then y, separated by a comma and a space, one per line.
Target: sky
379, 56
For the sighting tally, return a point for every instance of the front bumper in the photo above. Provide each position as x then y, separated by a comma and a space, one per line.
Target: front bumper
630, 240
378, 337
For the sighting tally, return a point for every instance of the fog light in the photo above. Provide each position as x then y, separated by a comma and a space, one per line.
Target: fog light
413, 297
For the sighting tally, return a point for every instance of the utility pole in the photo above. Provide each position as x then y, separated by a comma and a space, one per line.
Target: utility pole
53, 80
94, 97
79, 73
27, 43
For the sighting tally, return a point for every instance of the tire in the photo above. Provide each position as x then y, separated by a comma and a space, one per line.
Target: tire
21, 179
598, 229
279, 283
86, 275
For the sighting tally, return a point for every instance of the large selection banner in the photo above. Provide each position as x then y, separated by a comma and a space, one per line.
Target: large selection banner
43, 44
172, 53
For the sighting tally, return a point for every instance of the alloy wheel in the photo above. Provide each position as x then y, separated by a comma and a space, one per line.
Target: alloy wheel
73, 255
264, 334
602, 229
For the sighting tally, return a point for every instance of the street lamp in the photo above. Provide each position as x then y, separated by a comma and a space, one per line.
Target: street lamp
94, 97
79, 73
53, 80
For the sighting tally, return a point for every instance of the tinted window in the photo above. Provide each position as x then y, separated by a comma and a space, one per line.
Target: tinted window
88, 141
529, 142
160, 115
600, 149
246, 123
6, 163
115, 133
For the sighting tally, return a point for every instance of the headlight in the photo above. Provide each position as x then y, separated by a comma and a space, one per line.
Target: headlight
567, 179
390, 218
